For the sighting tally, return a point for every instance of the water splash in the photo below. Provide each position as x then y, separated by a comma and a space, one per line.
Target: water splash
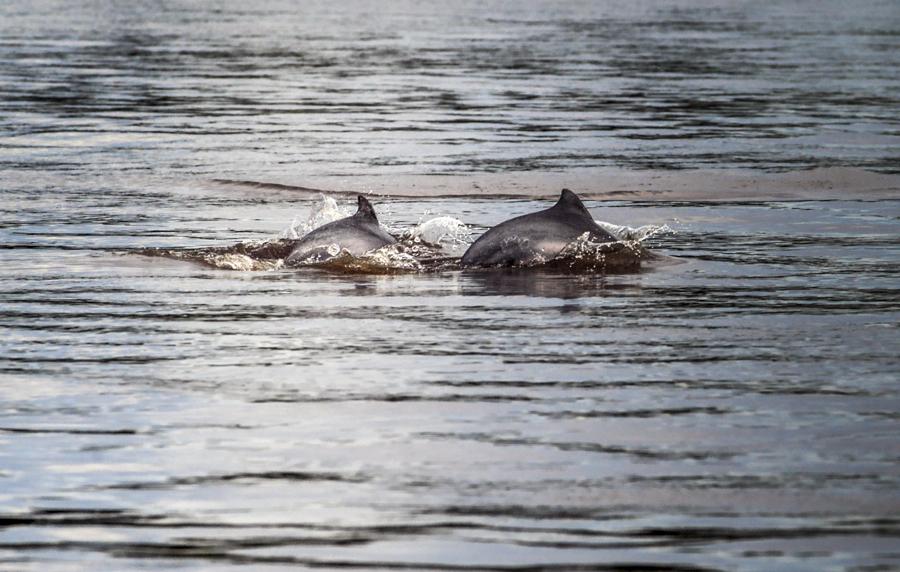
325, 212
639, 234
390, 259
584, 255
441, 235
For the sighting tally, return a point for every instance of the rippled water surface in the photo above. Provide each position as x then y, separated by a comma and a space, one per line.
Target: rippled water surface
735, 411
733, 406
354, 88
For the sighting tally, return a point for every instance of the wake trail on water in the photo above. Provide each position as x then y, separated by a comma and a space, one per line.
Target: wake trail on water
434, 244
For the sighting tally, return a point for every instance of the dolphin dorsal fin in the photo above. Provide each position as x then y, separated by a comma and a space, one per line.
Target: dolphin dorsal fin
365, 211
570, 201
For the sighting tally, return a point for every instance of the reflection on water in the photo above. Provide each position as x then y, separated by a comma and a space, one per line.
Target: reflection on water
542, 284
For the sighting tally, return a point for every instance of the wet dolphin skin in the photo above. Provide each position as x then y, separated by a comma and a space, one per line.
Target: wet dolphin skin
357, 234
535, 237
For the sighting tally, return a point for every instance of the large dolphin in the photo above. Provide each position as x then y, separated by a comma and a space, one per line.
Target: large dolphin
357, 234
535, 237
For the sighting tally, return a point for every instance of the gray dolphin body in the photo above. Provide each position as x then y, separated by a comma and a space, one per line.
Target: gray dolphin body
535, 237
357, 234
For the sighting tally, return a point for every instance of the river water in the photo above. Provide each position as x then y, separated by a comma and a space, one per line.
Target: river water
733, 406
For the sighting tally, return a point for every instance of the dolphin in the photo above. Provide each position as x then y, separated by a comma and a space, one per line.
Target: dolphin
535, 237
357, 234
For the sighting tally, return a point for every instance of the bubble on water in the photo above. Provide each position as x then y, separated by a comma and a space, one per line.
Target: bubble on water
326, 211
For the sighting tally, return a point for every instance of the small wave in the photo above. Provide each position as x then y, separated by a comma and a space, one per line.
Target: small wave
256, 255
234, 261
588, 256
241, 478
385, 260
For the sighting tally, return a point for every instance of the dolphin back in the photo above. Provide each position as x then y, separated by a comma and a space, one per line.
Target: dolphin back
365, 212
535, 237
357, 234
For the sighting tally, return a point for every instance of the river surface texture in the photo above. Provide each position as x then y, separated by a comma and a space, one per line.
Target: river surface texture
733, 406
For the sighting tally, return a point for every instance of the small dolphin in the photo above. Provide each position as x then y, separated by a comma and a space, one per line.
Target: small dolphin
357, 234
535, 237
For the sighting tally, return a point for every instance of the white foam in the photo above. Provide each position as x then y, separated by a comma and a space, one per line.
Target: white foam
391, 257
234, 261
586, 255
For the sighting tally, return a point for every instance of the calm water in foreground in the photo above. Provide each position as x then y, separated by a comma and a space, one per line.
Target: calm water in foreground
735, 408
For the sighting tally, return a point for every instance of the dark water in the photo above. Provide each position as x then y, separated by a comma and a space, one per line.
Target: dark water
359, 88
737, 410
